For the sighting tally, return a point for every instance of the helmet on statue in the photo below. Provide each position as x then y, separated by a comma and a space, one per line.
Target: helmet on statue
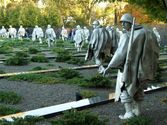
96, 22
127, 18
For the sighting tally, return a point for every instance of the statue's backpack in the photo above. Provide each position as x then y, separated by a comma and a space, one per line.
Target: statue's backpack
149, 60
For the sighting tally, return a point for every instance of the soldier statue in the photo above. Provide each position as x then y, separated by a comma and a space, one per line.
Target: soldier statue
100, 45
50, 35
136, 59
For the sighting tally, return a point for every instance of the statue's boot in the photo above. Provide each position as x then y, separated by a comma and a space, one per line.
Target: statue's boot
129, 113
101, 69
136, 108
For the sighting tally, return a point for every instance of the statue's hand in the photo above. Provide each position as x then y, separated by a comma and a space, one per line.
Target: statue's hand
106, 71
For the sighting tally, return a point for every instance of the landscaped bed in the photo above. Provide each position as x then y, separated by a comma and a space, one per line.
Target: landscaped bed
41, 90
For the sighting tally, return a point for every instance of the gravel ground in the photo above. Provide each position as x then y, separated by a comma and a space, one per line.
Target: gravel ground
52, 63
152, 108
36, 96
41, 95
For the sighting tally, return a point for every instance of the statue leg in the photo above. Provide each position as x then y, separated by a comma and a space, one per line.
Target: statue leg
127, 101
137, 108
99, 63
48, 40
40, 40
138, 98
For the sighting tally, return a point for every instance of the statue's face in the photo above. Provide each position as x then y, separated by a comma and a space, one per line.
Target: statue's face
126, 25
94, 26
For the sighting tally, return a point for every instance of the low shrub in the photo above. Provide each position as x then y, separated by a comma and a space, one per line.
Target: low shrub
140, 120
9, 97
63, 55
21, 54
5, 49
39, 58
59, 43
50, 64
33, 50
28, 120
163, 100
36, 78
2, 72
98, 81
20, 58
38, 68
85, 46
74, 117
87, 93
7, 111
76, 61
16, 61
68, 73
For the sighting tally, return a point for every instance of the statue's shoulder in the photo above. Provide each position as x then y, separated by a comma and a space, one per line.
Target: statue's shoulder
96, 30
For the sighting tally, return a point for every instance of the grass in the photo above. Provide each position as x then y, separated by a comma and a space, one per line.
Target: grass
7, 110
5, 49
88, 93
28, 120
33, 50
76, 61
21, 54
98, 81
36, 78
19, 59
164, 100
140, 120
2, 72
38, 68
9, 97
39, 58
68, 73
74, 117
66, 76
16, 61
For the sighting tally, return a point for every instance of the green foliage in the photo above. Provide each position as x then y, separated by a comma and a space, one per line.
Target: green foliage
15, 43
98, 81
155, 8
9, 97
68, 73
50, 64
60, 43
33, 50
140, 120
2, 72
76, 61
36, 78
163, 100
38, 68
163, 62
21, 54
28, 120
74, 117
16, 61
87, 93
85, 46
39, 58
7, 111
5, 49
63, 55
66, 56
56, 12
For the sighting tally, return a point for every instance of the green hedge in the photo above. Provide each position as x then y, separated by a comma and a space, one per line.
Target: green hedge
74, 117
